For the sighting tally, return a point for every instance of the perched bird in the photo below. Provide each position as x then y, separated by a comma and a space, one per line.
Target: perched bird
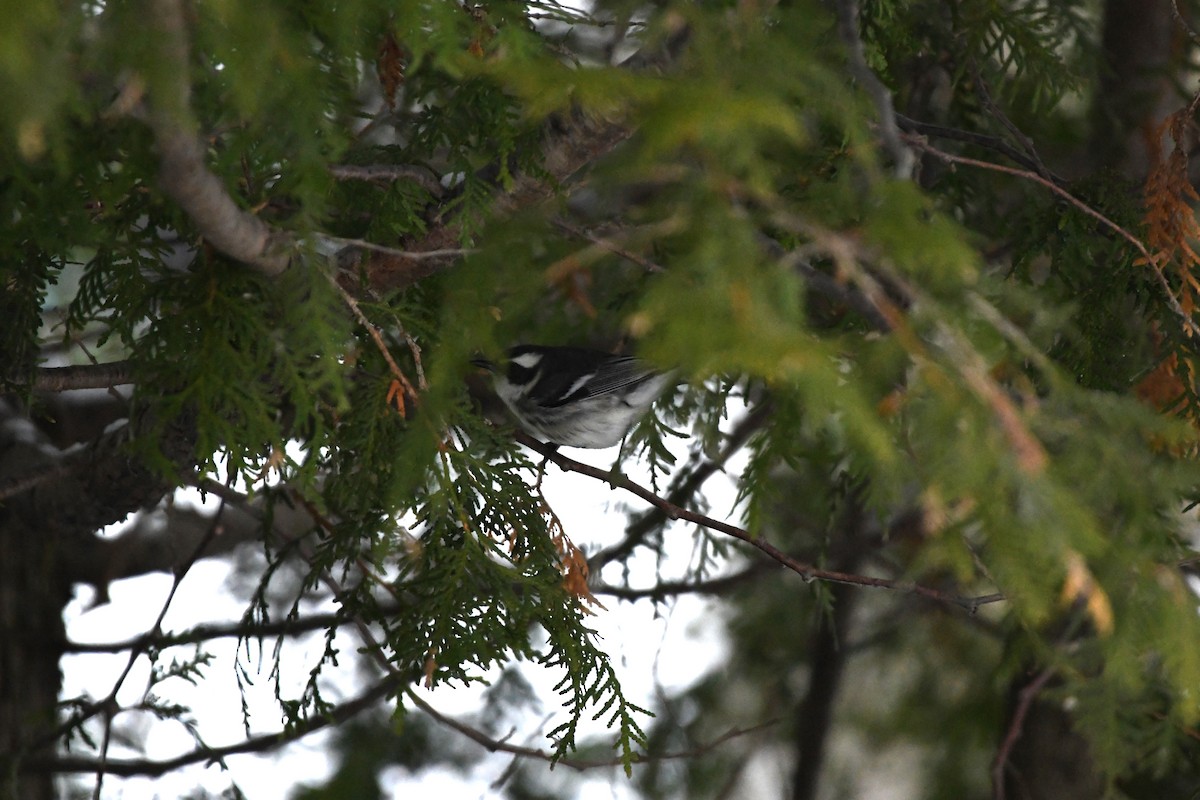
572, 396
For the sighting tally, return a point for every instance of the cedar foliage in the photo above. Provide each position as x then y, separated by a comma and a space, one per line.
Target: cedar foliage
1004, 407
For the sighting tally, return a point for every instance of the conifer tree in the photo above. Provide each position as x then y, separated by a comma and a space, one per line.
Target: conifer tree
926, 274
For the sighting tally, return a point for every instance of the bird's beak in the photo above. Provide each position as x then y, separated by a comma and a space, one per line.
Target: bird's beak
484, 363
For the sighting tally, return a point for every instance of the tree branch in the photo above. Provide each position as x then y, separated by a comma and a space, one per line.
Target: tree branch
1185, 319
1026, 698
208, 632
807, 571
684, 489
659, 591
994, 143
183, 174
159, 542
847, 26
253, 744
388, 173
579, 764
83, 376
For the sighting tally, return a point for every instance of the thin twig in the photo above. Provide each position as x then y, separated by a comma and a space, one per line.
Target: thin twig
1025, 701
380, 344
16, 486
1026, 143
579, 764
808, 572
686, 486
610, 246
208, 632
109, 704
1137, 243
1183, 23
253, 744
994, 143
664, 589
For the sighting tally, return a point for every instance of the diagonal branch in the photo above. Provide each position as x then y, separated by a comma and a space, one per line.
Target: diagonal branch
713, 586
183, 174
1189, 325
994, 143
1025, 699
683, 491
847, 26
807, 571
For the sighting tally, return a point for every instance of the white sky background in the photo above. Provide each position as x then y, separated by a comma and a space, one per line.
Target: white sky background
673, 647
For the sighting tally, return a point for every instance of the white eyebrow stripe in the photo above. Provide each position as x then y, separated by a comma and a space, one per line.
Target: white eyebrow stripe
527, 360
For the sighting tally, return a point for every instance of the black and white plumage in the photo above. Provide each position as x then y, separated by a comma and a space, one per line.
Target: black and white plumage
573, 396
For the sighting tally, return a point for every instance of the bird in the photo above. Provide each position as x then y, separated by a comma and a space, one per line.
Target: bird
575, 396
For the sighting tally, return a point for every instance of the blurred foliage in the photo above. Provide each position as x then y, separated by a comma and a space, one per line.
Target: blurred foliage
1001, 410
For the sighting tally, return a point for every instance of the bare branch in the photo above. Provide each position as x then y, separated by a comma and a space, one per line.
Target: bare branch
83, 376
108, 705
205, 633
16, 486
808, 572
660, 591
159, 542
994, 143
985, 95
1186, 321
388, 173
1027, 696
253, 744
580, 764
381, 345
1183, 23
450, 253
683, 491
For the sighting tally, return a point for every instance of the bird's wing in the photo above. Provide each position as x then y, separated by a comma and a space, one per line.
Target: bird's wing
612, 375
